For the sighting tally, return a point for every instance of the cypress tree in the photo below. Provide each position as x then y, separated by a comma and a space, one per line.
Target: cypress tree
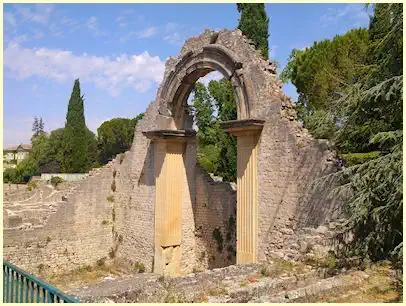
254, 24
75, 135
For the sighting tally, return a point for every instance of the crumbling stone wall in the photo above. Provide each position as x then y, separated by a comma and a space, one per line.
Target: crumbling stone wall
288, 158
288, 161
215, 216
76, 232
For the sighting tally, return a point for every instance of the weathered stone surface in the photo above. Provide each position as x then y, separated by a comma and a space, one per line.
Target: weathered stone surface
85, 226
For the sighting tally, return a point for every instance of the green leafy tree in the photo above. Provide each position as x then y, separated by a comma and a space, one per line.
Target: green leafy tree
52, 160
116, 136
372, 126
217, 150
223, 96
75, 149
38, 127
254, 23
323, 74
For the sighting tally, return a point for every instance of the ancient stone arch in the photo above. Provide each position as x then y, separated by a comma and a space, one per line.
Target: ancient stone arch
276, 161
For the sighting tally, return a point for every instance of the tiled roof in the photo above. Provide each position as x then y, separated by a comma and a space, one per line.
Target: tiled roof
25, 147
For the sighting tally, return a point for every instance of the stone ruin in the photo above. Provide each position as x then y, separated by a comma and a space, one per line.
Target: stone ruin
164, 210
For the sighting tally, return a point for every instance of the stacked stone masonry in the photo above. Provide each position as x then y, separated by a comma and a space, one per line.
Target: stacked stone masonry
88, 226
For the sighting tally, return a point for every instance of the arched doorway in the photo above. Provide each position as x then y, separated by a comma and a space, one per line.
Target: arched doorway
174, 134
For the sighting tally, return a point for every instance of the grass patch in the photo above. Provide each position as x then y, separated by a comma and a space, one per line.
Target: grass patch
84, 275
32, 185
218, 290
139, 267
380, 287
279, 267
56, 180
172, 297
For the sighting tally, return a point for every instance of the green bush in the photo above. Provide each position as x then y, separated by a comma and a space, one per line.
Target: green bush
122, 156
110, 198
353, 159
32, 185
139, 267
56, 180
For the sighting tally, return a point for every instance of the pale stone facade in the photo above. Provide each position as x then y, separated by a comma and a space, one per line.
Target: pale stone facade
167, 213
15, 155
276, 163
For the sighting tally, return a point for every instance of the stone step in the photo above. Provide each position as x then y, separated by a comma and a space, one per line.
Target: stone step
253, 288
345, 281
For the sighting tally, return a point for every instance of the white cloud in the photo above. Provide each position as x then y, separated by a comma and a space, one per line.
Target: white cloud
93, 25
9, 19
212, 76
137, 71
19, 39
171, 26
129, 11
122, 21
355, 13
40, 13
147, 33
174, 39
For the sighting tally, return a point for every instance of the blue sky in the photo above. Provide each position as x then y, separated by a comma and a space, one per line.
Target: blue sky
118, 52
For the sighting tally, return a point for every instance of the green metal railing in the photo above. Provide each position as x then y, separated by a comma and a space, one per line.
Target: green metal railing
22, 287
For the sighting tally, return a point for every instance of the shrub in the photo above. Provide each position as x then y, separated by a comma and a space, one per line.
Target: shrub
110, 198
113, 186
32, 185
139, 267
114, 173
56, 180
105, 222
360, 158
122, 156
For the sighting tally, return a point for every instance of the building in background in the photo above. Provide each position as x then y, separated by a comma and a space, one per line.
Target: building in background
12, 156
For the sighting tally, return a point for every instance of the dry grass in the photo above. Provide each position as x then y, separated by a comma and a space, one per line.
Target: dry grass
84, 275
380, 287
217, 291
281, 266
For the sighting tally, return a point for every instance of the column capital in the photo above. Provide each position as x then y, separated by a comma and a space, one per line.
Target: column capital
243, 127
169, 135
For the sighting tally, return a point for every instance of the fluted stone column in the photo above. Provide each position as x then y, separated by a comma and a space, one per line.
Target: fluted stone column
169, 172
248, 133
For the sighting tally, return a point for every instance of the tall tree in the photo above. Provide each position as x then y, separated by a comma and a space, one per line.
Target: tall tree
35, 127
116, 136
75, 135
322, 74
372, 189
254, 24
217, 150
38, 127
